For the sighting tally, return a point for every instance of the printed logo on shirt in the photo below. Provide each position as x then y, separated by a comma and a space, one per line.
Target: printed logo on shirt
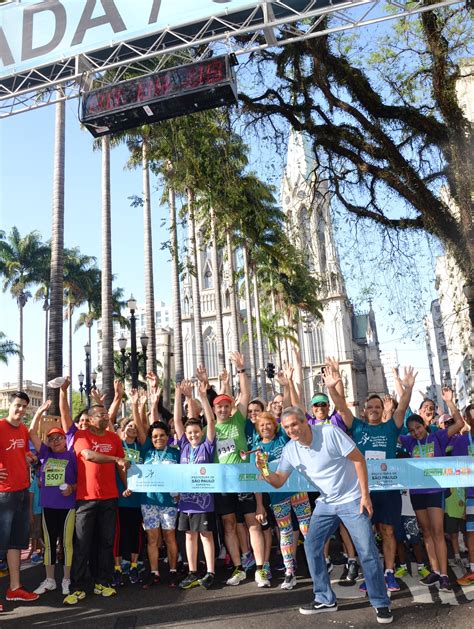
15, 443
103, 448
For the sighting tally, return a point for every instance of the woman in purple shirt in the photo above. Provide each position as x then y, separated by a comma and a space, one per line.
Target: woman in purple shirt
57, 498
429, 503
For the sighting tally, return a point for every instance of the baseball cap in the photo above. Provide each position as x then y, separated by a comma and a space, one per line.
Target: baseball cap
57, 430
222, 398
320, 398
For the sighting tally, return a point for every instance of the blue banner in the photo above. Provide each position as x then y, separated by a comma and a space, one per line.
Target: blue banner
429, 473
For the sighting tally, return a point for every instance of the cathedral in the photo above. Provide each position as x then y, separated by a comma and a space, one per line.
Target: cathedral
351, 338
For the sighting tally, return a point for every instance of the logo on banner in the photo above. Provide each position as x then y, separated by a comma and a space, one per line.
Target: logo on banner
202, 471
384, 467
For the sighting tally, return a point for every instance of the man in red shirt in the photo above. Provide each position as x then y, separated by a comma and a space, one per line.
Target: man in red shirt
14, 497
98, 452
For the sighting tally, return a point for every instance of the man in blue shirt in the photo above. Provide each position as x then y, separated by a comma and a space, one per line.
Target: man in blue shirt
329, 460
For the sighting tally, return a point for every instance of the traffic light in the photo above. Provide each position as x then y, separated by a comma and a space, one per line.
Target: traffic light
270, 370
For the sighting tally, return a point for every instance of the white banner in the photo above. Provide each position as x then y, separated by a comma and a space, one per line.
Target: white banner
36, 33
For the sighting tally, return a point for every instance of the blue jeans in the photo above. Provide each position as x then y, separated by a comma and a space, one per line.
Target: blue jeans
324, 522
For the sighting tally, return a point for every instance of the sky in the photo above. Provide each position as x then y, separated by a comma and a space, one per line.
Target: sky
26, 164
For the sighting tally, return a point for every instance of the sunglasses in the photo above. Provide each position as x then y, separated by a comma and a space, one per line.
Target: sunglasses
56, 438
321, 404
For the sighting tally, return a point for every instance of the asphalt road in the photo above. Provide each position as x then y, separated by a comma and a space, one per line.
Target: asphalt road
241, 607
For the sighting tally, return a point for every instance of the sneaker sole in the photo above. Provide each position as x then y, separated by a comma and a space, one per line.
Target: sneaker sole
321, 610
23, 600
384, 621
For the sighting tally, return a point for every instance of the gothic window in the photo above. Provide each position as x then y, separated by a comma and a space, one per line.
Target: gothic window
188, 355
210, 352
316, 346
227, 299
186, 306
208, 278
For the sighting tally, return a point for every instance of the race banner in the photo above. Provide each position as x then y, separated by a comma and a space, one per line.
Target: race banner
429, 473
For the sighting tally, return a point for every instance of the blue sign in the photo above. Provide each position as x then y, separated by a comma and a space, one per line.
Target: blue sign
429, 473
36, 33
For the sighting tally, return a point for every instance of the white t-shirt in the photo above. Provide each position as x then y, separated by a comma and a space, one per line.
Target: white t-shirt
325, 464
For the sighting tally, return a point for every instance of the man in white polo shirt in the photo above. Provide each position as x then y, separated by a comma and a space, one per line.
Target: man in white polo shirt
328, 458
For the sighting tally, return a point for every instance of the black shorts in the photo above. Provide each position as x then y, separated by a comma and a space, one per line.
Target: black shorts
427, 501
387, 507
240, 504
454, 525
196, 522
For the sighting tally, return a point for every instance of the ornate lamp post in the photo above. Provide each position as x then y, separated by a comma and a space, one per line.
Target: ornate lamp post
132, 306
144, 344
81, 384
87, 349
122, 343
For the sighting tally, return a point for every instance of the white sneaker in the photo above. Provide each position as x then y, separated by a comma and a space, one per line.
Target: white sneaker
289, 582
261, 579
65, 583
48, 585
237, 577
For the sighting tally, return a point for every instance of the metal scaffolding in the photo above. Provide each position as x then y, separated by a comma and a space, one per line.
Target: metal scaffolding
272, 23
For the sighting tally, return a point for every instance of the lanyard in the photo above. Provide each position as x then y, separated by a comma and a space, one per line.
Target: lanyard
159, 455
422, 448
192, 453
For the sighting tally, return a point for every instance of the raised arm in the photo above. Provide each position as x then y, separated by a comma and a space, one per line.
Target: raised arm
332, 377
397, 382
154, 401
448, 396
116, 402
224, 380
283, 380
35, 422
244, 385
208, 413
408, 382
135, 403
180, 389
66, 420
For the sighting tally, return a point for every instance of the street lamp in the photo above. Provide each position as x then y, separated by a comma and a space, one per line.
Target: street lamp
144, 344
132, 306
122, 343
87, 349
81, 383
94, 379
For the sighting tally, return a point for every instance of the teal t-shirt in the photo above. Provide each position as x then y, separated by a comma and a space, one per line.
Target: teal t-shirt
151, 456
376, 441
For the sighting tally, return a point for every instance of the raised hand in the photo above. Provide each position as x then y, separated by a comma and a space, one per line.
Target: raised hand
202, 389
447, 394
97, 397
331, 375
118, 388
186, 387
66, 383
142, 397
201, 374
281, 378
152, 379
409, 377
237, 360
224, 376
44, 407
388, 403
133, 396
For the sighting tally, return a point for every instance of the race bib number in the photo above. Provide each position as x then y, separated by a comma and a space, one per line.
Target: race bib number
225, 447
424, 451
55, 473
371, 455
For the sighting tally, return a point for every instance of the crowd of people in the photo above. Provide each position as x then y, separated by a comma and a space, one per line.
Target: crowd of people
64, 490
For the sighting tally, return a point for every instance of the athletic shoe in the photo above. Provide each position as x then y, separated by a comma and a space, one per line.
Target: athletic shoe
74, 598
65, 585
329, 566
248, 561
36, 558
21, 595
151, 580
207, 581
459, 563
48, 585
466, 579
118, 579
191, 581
401, 571
350, 573
133, 575
267, 570
391, 582
237, 577
431, 579
363, 587
173, 579
289, 582
3, 565
317, 608
423, 572
261, 579
445, 585
339, 559
384, 615
104, 590
279, 565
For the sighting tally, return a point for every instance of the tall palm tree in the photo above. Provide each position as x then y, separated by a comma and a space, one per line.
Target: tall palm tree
106, 280
175, 272
248, 308
217, 291
194, 271
55, 352
22, 264
234, 311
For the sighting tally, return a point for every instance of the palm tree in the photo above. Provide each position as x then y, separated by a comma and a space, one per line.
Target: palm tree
7, 349
194, 272
22, 264
217, 291
55, 351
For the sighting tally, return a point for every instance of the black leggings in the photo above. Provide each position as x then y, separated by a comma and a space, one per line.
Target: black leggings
58, 523
128, 532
